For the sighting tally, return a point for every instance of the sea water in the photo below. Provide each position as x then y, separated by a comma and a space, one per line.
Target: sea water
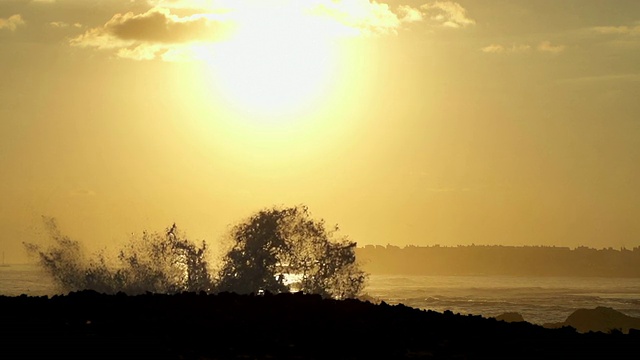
26, 279
538, 299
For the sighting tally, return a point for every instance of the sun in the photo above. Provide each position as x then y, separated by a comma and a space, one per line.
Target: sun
274, 65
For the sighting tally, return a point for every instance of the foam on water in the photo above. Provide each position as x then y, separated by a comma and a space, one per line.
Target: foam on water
539, 299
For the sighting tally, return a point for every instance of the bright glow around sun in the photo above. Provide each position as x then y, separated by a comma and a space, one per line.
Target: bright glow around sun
265, 59
279, 60
274, 72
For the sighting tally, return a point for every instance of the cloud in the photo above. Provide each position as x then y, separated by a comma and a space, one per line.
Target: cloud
167, 31
493, 49
151, 34
364, 16
141, 52
513, 49
622, 36
409, 14
448, 14
546, 46
617, 30
160, 26
360, 16
543, 47
12, 22
155, 26
357, 17
62, 25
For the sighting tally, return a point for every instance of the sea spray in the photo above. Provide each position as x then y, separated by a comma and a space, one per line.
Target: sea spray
165, 262
275, 250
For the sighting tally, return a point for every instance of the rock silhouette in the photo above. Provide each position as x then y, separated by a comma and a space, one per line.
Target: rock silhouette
510, 317
603, 319
89, 325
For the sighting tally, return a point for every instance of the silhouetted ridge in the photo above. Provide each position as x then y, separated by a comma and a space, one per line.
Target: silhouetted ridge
89, 325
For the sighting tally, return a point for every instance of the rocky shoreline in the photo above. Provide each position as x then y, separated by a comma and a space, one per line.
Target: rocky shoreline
89, 325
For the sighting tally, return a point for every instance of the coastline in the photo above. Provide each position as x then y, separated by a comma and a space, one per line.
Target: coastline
540, 300
89, 325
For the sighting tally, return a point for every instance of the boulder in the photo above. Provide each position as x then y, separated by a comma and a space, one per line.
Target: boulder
602, 319
510, 317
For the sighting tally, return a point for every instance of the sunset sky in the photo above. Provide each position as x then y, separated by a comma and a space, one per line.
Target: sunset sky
412, 122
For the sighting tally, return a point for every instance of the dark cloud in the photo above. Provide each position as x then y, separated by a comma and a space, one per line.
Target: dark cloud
160, 26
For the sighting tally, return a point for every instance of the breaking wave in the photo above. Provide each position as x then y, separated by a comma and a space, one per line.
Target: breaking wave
275, 250
156, 262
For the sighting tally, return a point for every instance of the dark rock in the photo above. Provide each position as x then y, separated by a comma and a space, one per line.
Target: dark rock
510, 317
88, 325
600, 319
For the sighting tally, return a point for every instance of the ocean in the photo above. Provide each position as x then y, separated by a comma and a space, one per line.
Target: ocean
539, 299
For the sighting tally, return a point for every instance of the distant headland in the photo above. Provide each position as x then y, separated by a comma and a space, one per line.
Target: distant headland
500, 260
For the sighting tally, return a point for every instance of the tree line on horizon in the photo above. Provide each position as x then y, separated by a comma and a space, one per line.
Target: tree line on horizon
581, 247
500, 260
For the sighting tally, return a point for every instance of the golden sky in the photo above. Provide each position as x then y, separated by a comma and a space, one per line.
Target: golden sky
405, 122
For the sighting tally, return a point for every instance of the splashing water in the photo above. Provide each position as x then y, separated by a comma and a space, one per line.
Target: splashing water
157, 262
276, 250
